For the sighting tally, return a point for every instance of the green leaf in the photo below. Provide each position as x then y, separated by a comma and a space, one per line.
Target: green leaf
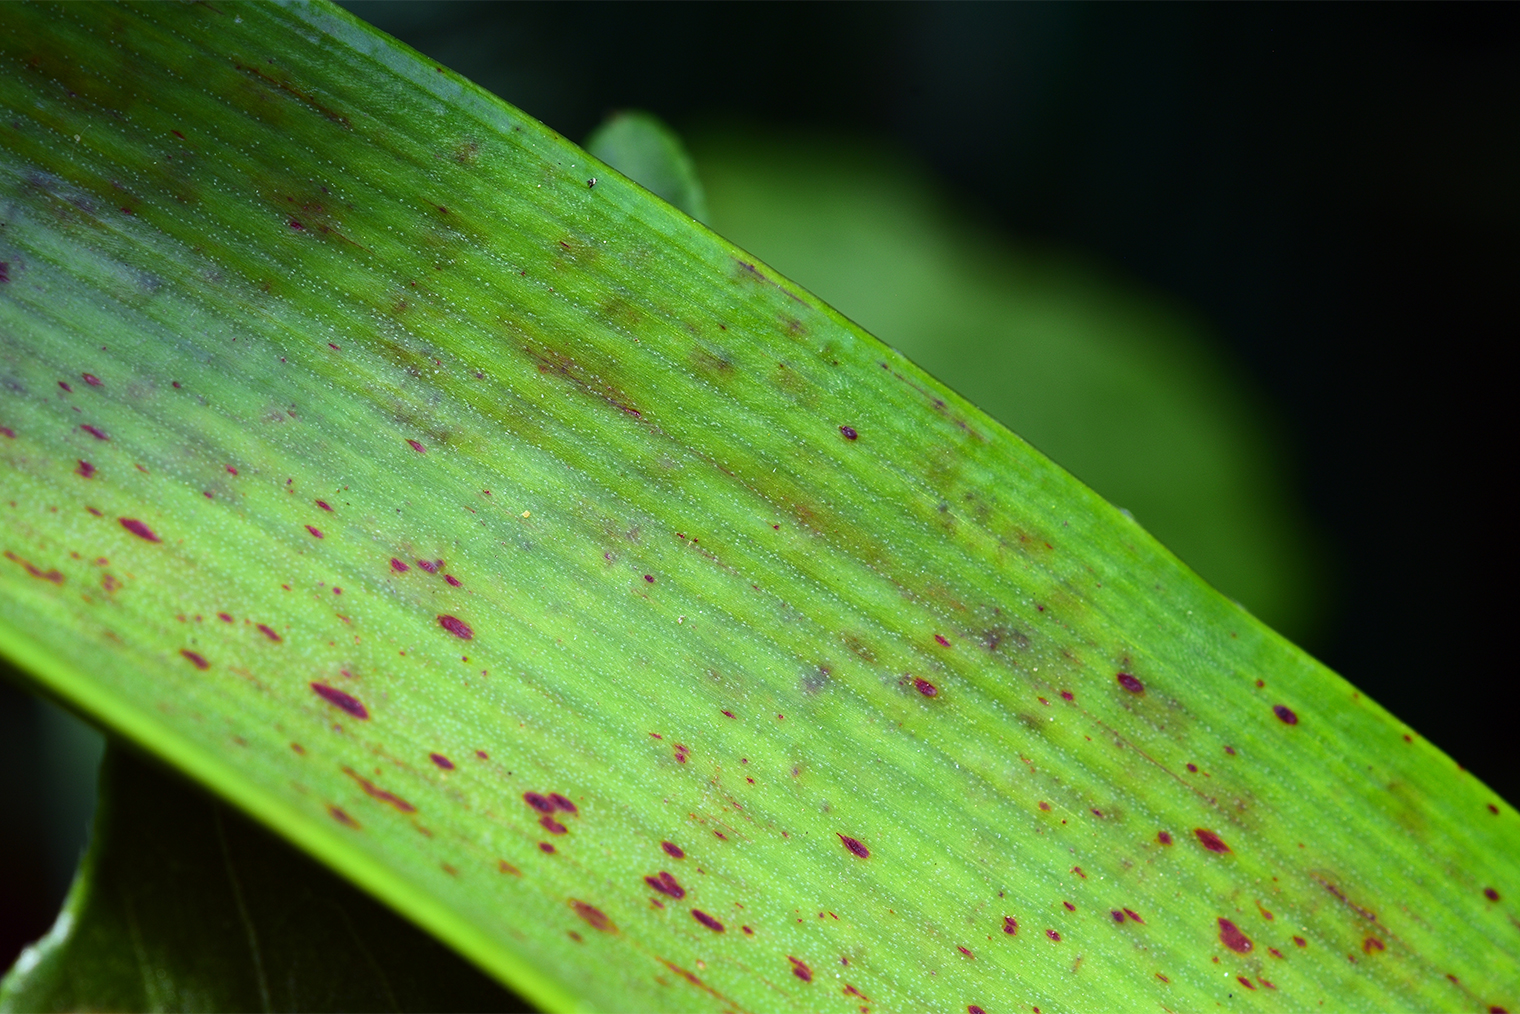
618, 612
642, 148
151, 925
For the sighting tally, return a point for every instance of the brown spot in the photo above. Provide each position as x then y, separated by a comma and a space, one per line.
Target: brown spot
506, 867
374, 791
342, 818
1372, 944
1209, 840
595, 917
800, 969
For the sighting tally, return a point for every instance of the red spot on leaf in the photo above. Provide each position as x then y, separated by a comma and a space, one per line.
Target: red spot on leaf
943, 643
338, 698
544, 846
1066, 695
85, 469
431, 566
673, 850
341, 817
224, 617
1052, 934
563, 804
854, 845
1244, 981
92, 380
1129, 683
539, 802
139, 529
451, 579
373, 790
666, 885
65, 386
323, 504
441, 761
398, 566
1285, 713
595, 917
456, 626
1231, 937
707, 920
196, 659
1010, 925
1209, 840
270, 633
1118, 916
966, 952
552, 826
924, 687
1300, 941
1131, 913
314, 531
1163, 837
849, 432
417, 447
1371, 945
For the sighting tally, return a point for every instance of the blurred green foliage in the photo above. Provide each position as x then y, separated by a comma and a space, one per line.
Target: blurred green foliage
1119, 385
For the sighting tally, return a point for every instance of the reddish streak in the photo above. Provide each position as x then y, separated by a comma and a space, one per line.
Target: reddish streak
1372, 944
374, 790
551, 825
1131, 913
1244, 981
320, 503
196, 659
707, 920
398, 566
1231, 937
673, 850
538, 802
1163, 837
1274, 952
85, 469
800, 969
225, 617
854, 845
417, 447
347, 702
341, 817
1010, 925
451, 579
1285, 713
431, 566
441, 761
65, 386
92, 380
92, 431
1210, 840
924, 687
943, 643
139, 529
666, 885
1129, 683
456, 626
966, 952
593, 915
270, 634
314, 531
561, 803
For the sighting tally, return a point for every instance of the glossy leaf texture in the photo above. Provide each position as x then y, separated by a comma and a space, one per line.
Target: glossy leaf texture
183, 904
620, 613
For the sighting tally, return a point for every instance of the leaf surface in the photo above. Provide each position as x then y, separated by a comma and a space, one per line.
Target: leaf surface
616, 610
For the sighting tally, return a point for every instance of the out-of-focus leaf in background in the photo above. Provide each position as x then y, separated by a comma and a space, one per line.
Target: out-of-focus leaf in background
1119, 384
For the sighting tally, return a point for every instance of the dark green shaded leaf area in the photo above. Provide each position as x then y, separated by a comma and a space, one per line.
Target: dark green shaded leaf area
618, 612
183, 904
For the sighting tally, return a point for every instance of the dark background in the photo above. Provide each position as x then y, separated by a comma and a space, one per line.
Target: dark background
1333, 187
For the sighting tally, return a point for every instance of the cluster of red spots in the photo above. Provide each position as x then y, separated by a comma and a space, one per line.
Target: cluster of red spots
376, 792
416, 446
682, 752
849, 432
1010, 925
139, 529
456, 626
442, 761
800, 969
85, 469
1371, 945
1078, 871
924, 687
1209, 840
316, 532
337, 698
267, 632
673, 850
54, 576
707, 920
548, 806
92, 431
195, 658
666, 885
1129, 683
1231, 937
595, 917
854, 846
1285, 714
1052, 934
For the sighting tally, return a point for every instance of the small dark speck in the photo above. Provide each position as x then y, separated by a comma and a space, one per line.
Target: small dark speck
849, 432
